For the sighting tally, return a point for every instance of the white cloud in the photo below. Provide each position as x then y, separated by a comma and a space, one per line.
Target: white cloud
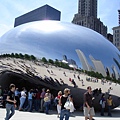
4, 28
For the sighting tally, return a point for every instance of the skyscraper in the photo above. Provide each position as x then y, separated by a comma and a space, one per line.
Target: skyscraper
116, 33
87, 16
45, 12
87, 8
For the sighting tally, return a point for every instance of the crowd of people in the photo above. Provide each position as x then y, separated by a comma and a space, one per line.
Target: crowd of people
42, 101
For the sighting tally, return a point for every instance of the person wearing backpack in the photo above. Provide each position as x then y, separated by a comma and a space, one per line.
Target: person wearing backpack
56, 101
102, 104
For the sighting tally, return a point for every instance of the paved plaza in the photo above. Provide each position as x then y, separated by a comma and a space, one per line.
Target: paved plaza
53, 116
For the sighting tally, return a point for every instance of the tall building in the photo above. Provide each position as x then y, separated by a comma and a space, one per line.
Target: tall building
110, 37
116, 33
87, 16
45, 12
116, 36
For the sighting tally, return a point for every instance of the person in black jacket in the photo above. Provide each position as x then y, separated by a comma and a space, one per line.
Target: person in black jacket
10, 102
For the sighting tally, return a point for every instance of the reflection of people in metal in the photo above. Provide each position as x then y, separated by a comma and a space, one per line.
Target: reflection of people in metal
88, 104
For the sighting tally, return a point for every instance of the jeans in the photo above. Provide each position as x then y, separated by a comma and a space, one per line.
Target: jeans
29, 105
47, 107
9, 107
22, 101
65, 113
109, 111
41, 104
37, 104
102, 111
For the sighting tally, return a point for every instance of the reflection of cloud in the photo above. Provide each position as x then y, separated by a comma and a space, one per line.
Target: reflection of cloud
4, 28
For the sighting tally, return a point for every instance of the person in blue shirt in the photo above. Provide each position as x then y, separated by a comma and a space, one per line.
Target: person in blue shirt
30, 95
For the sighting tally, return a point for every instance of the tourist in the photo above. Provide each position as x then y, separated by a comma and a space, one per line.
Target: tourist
22, 98
88, 104
17, 94
64, 112
102, 104
42, 99
30, 95
47, 101
37, 100
109, 104
10, 106
57, 99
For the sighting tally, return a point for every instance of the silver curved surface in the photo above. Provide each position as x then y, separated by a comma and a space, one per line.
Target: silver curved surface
53, 39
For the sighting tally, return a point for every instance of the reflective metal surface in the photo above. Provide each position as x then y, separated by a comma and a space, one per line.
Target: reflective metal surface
53, 39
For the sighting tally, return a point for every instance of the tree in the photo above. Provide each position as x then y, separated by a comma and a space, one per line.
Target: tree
16, 55
21, 56
51, 61
27, 57
44, 60
32, 57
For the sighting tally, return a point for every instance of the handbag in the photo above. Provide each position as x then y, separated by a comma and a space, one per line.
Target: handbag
67, 105
46, 99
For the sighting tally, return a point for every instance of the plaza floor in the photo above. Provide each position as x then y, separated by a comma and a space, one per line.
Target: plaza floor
19, 115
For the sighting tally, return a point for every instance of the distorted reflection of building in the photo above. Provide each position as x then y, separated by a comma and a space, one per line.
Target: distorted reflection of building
98, 66
83, 60
70, 62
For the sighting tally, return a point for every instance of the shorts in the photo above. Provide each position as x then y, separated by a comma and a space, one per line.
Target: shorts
88, 112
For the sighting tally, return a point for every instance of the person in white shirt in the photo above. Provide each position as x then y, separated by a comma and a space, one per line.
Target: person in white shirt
22, 98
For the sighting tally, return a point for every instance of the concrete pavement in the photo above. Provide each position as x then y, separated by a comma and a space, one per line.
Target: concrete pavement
19, 115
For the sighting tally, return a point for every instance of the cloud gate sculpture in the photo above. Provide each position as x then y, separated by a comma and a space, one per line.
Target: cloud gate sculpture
77, 45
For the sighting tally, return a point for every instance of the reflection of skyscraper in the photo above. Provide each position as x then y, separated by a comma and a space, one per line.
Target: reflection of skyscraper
116, 75
45, 12
83, 60
98, 66
65, 57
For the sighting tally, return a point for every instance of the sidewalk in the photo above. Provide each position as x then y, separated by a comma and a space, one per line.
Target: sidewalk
19, 115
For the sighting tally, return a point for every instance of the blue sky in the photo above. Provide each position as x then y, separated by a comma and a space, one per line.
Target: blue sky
10, 9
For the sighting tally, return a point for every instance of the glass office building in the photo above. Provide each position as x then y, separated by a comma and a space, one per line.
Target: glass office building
45, 12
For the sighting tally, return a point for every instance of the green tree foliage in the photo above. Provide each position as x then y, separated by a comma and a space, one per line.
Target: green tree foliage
32, 57
44, 60
21, 56
27, 57
51, 61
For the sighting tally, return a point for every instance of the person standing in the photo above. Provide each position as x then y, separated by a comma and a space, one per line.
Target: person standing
102, 103
57, 99
109, 103
88, 104
64, 112
22, 98
17, 94
42, 100
10, 102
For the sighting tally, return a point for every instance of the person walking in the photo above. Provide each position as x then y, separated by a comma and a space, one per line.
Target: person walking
10, 102
65, 112
88, 104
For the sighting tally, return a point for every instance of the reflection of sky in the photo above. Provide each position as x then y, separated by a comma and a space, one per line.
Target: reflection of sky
58, 40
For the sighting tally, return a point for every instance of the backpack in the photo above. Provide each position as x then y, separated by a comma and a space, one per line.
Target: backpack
56, 101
